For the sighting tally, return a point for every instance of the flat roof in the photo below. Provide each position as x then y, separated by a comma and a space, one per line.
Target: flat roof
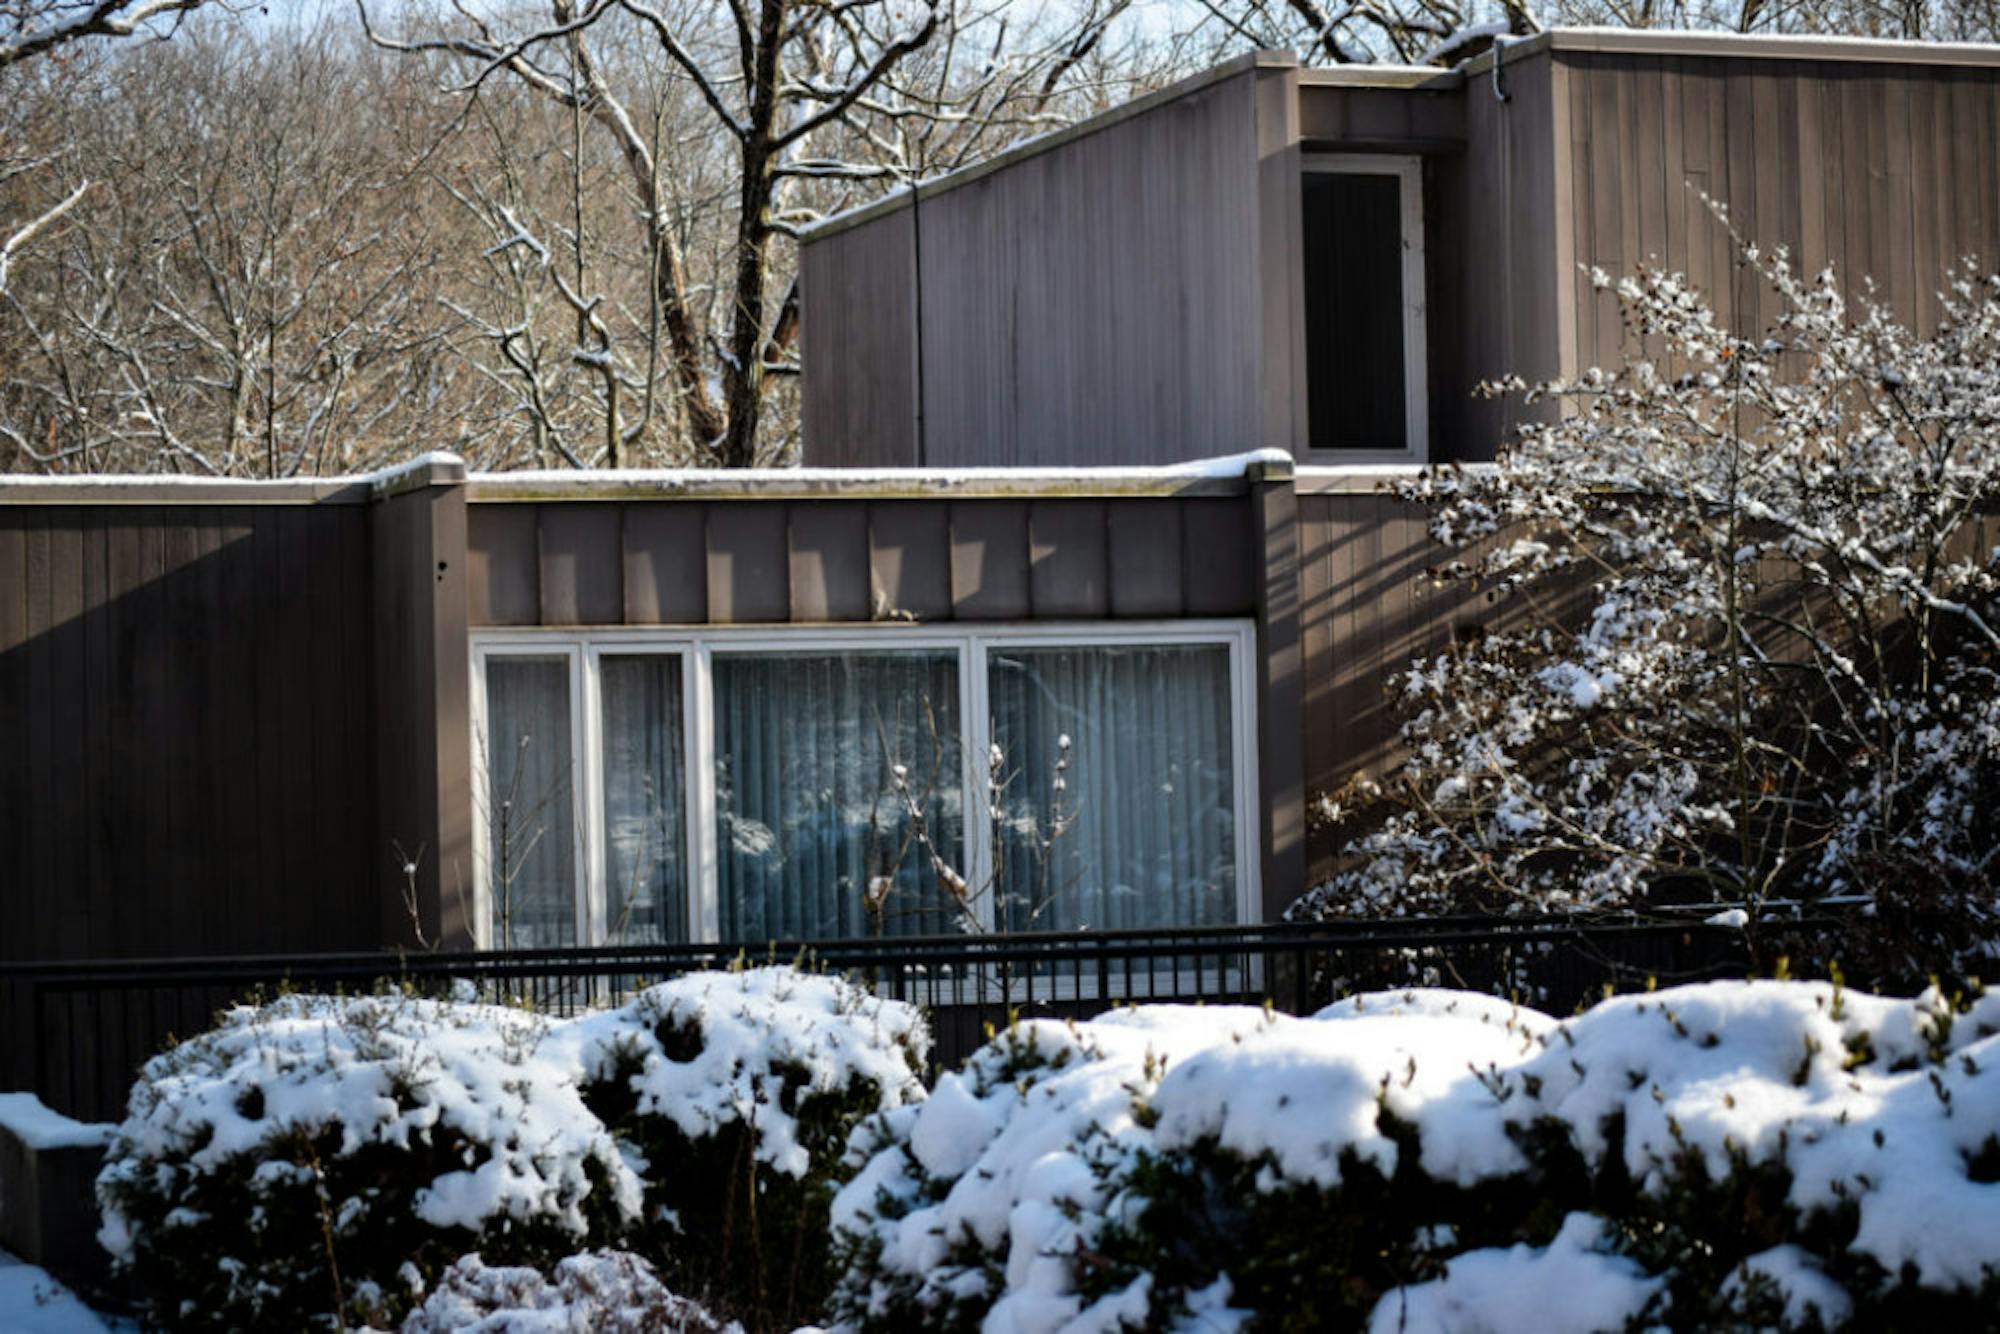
1747, 46
1225, 476
1432, 79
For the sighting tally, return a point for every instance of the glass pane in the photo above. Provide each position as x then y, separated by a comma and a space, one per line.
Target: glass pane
645, 793
530, 820
1354, 311
816, 838
1117, 805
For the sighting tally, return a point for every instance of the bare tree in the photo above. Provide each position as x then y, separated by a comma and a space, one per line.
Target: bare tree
250, 293
30, 28
36, 27
800, 94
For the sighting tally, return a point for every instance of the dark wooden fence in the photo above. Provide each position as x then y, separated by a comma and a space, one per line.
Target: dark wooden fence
92, 1025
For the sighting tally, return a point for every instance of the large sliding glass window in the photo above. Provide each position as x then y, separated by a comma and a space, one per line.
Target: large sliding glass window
1118, 799
837, 793
757, 785
645, 799
530, 811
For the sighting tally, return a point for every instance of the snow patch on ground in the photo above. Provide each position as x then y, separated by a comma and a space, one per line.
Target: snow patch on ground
31, 1302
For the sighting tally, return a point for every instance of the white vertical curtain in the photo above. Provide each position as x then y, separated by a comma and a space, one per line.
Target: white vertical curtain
810, 827
645, 795
530, 813
1139, 827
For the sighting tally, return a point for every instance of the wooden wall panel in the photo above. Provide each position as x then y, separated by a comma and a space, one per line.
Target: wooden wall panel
582, 564
748, 563
1497, 265
666, 564
857, 332
1409, 119
828, 566
1143, 541
503, 576
1068, 567
849, 560
909, 559
191, 757
422, 669
1095, 302
1885, 171
989, 560
1218, 573
1366, 611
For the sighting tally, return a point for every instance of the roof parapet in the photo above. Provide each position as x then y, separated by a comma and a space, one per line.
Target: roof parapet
1745, 46
1225, 476
1042, 143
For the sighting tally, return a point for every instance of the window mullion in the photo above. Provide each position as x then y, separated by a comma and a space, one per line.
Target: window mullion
482, 798
586, 799
977, 720
704, 907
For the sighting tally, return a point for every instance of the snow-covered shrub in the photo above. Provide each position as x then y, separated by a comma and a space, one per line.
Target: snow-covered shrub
1745, 633
595, 1292
375, 1138
1781, 1155
735, 1094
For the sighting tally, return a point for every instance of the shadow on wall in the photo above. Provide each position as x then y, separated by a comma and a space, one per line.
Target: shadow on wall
187, 696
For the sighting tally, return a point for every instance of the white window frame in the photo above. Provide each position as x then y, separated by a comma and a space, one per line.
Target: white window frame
1416, 385
697, 649
587, 913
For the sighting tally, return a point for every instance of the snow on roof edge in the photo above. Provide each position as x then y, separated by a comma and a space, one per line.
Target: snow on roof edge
1222, 467
439, 465
41, 1127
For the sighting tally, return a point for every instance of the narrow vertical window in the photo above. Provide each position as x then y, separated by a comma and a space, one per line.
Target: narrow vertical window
530, 814
1118, 804
1362, 265
645, 800
838, 794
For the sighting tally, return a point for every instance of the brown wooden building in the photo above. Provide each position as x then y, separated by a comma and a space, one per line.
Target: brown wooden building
1328, 262
994, 629
524, 709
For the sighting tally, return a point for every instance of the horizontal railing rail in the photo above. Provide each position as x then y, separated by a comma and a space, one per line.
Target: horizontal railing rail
81, 1029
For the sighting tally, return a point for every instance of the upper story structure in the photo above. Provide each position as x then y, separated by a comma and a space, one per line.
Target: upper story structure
1328, 262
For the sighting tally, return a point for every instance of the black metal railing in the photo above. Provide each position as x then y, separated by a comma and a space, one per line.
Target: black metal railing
76, 1032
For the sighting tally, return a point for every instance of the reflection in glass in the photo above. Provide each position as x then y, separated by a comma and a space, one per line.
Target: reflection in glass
817, 835
645, 846
1119, 797
530, 825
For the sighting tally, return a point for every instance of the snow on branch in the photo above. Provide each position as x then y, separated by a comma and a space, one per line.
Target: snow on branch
1740, 639
43, 25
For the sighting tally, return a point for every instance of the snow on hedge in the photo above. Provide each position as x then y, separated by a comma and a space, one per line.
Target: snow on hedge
399, 1133
389, 1071
1577, 1283
752, 1029
1075, 1175
595, 1292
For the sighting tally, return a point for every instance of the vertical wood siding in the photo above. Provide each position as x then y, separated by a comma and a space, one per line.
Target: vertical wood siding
1094, 302
688, 562
183, 771
1494, 259
1883, 171
1366, 610
858, 303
